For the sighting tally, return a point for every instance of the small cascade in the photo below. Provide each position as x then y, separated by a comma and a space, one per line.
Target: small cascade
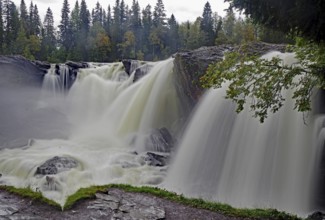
52, 82
65, 77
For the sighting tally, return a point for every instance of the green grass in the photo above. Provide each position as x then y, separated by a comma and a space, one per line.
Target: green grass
28, 193
86, 193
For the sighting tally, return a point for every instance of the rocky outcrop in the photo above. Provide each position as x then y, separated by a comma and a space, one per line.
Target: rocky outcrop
156, 160
56, 165
160, 140
189, 66
141, 71
16, 71
77, 65
43, 65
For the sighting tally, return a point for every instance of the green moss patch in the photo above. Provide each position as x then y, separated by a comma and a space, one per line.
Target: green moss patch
29, 193
88, 193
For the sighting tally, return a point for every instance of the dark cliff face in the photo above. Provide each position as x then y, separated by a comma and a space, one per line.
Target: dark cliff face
189, 66
16, 71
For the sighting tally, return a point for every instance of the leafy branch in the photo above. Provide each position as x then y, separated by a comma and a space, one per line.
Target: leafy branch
261, 83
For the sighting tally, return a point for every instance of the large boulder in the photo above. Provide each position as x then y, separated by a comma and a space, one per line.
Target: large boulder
16, 71
56, 165
189, 66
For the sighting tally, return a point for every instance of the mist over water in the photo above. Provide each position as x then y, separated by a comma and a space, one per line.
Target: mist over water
101, 120
104, 122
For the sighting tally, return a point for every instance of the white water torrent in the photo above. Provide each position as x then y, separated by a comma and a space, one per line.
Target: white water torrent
222, 156
236, 160
106, 112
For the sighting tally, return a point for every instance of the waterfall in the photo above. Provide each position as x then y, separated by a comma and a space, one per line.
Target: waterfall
107, 114
236, 160
52, 81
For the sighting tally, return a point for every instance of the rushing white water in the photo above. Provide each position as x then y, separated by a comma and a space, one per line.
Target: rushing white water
222, 156
236, 160
105, 111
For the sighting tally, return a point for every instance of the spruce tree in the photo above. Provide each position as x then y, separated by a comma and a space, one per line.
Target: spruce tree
207, 25
147, 26
30, 19
84, 29
159, 14
108, 21
173, 36
24, 15
48, 45
65, 28
97, 14
36, 22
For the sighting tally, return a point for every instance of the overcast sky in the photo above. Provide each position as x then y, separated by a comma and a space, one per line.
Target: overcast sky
183, 10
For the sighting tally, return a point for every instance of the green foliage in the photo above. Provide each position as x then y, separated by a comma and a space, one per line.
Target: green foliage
260, 83
303, 17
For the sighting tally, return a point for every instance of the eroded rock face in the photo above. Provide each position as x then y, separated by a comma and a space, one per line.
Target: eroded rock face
56, 165
18, 71
189, 66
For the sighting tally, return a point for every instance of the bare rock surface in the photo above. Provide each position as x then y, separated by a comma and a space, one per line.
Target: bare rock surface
116, 204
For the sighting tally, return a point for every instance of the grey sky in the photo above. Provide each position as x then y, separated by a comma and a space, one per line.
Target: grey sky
183, 10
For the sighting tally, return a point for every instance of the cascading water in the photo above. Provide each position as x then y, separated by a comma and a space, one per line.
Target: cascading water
236, 160
106, 114
222, 156
52, 82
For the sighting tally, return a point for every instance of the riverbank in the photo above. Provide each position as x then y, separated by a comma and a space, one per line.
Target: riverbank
123, 202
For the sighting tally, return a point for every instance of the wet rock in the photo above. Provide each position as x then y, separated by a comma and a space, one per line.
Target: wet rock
189, 66
141, 71
127, 207
317, 216
156, 160
56, 165
160, 140
77, 65
18, 71
42, 65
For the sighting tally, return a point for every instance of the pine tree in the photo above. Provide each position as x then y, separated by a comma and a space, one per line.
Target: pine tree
11, 19
173, 36
159, 14
49, 30
24, 15
147, 25
207, 25
75, 19
84, 17
84, 29
30, 19
97, 14
65, 28
36, 24
135, 24
48, 45
108, 21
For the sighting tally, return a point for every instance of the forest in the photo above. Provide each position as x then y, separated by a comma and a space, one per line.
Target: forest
119, 32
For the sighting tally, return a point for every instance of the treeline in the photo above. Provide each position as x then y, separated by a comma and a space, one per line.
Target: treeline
118, 32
